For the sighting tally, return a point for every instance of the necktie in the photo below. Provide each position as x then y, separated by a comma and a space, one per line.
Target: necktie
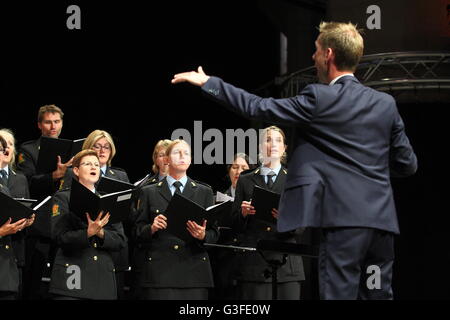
177, 185
269, 179
3, 178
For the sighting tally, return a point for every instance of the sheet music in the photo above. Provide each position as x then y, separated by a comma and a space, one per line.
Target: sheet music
222, 197
216, 205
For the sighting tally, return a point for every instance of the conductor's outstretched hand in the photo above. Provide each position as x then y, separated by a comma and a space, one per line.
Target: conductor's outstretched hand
198, 78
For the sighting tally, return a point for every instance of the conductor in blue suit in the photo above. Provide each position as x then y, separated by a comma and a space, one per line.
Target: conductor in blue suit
351, 140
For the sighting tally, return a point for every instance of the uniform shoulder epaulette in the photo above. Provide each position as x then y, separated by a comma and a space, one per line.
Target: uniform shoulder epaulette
194, 182
63, 189
150, 179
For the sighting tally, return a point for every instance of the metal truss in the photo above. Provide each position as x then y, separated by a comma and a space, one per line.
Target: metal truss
401, 74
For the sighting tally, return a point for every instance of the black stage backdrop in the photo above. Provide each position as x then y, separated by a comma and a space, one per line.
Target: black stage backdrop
114, 74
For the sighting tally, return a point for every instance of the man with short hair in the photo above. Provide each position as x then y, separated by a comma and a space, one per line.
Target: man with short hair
39, 249
350, 141
50, 122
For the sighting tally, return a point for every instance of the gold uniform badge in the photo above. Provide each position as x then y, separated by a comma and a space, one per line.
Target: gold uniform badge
20, 158
55, 210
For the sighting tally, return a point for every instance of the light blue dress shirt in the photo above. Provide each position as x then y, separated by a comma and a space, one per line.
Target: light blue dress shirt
170, 182
264, 171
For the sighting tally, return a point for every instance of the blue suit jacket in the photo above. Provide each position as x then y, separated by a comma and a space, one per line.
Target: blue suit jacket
351, 139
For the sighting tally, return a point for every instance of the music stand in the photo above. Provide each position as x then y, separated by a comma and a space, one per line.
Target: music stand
284, 248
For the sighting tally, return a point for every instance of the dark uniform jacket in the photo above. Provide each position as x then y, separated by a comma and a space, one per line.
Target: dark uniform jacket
137, 251
91, 255
171, 262
9, 273
18, 187
223, 260
121, 257
251, 265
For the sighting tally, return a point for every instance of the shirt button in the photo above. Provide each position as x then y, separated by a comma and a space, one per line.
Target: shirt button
157, 211
204, 258
234, 240
149, 259
6, 247
67, 265
268, 229
95, 258
175, 247
95, 244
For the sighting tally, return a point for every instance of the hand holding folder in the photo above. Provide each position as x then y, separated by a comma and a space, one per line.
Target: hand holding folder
51, 148
264, 201
83, 200
18, 209
181, 210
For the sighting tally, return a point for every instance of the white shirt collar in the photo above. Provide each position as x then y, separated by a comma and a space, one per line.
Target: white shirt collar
337, 78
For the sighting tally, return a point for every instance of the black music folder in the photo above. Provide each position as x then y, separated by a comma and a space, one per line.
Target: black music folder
27, 202
181, 209
83, 200
220, 214
50, 148
42, 222
264, 200
178, 212
109, 185
16, 209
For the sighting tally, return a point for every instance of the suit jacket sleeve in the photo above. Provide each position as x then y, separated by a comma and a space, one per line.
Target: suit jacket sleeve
403, 161
298, 110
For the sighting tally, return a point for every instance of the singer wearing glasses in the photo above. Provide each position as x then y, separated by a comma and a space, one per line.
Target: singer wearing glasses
84, 268
102, 142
